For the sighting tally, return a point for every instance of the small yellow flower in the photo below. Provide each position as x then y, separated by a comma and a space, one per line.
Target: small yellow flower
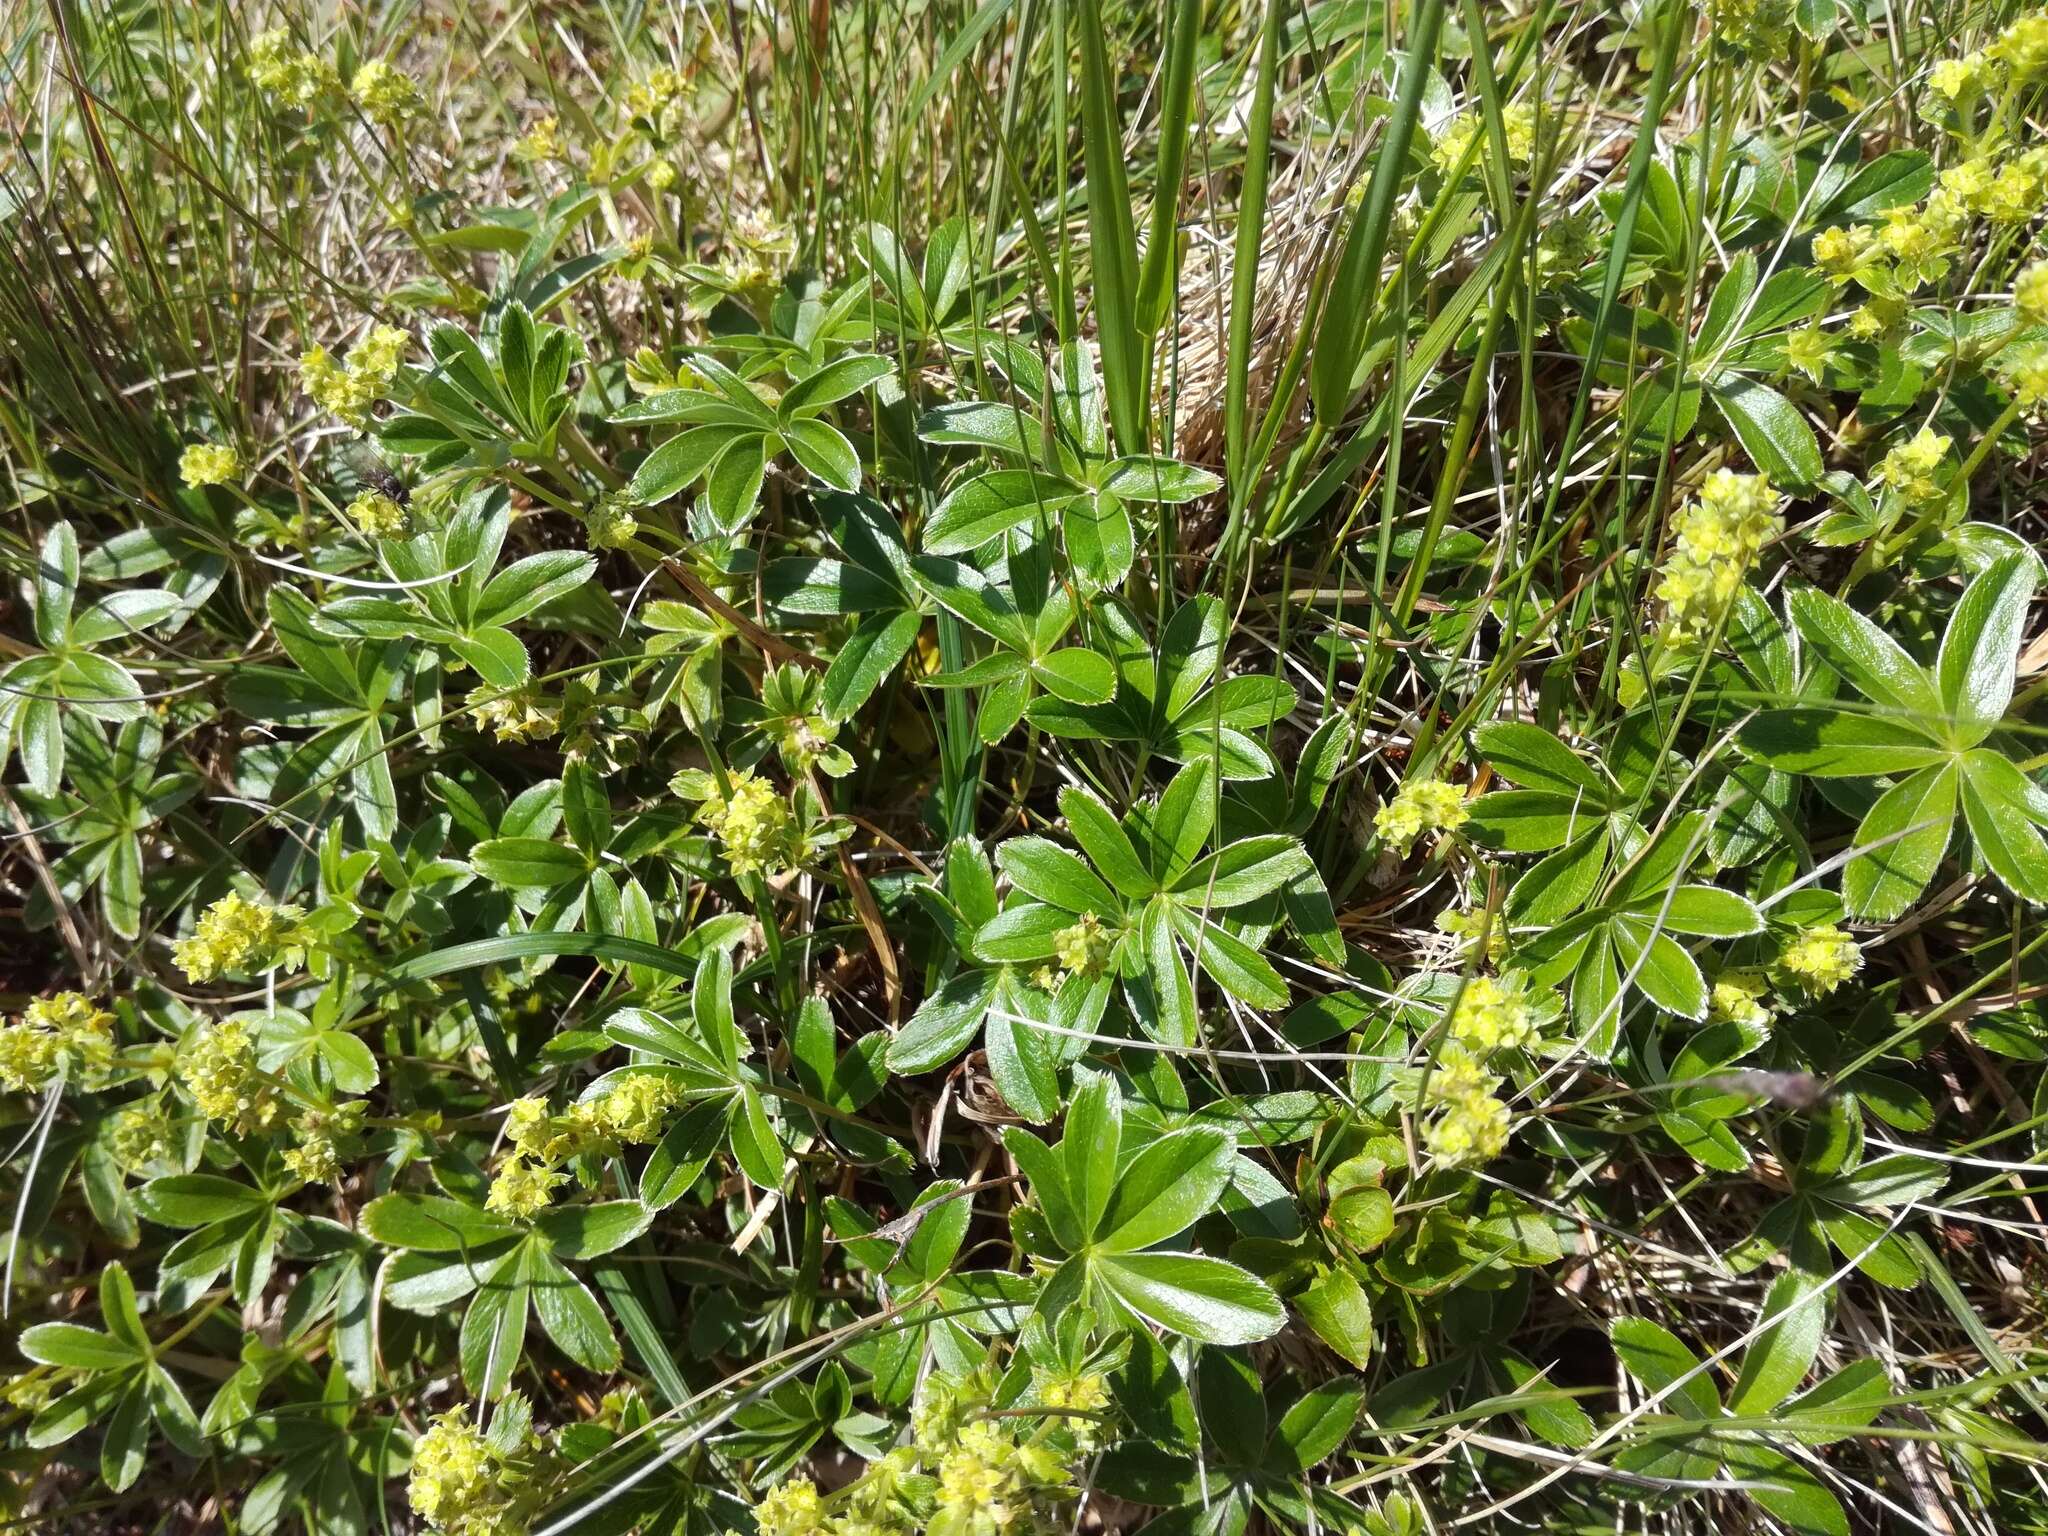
1913, 469
235, 934
1465, 927
1954, 79
1821, 959
290, 75
1719, 538
2023, 46
610, 523
1737, 998
66, 1035
2030, 293
2024, 369
349, 391
542, 142
387, 96
1471, 1129
522, 1188
1083, 949
140, 1136
790, 1508
457, 1481
1419, 806
379, 516
203, 464
520, 715
754, 825
1493, 1015
218, 1068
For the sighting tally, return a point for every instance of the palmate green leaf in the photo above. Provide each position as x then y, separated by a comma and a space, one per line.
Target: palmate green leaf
870, 653
72, 1347
990, 505
824, 452
1094, 1135
832, 383
1230, 962
1045, 871
1974, 670
430, 1223
681, 461
1075, 675
1019, 1059
1243, 872
1830, 743
1996, 811
1905, 832
1655, 1357
1535, 759
1195, 1295
570, 1314
1772, 430
982, 424
493, 1336
1103, 838
1166, 1188
944, 1024
1778, 1358
1870, 659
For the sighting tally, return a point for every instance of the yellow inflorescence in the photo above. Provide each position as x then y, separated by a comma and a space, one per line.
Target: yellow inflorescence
457, 1481
1913, 469
1737, 998
542, 142
520, 715
387, 95
1518, 128
218, 1068
2024, 369
1821, 959
292, 76
610, 523
1419, 806
379, 516
754, 825
2030, 293
791, 1508
1754, 27
1719, 537
1083, 949
203, 464
1493, 1015
633, 1109
350, 390
1471, 1129
235, 934
140, 1135
66, 1035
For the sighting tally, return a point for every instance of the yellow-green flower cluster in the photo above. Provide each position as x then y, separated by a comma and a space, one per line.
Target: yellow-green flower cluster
236, 934
1076, 1397
2030, 293
2023, 47
790, 1508
66, 1035
1809, 350
321, 1137
350, 390
457, 1483
1737, 997
610, 523
1493, 1015
2024, 368
518, 715
1419, 806
1084, 948
754, 825
203, 464
293, 76
1518, 127
140, 1135
1470, 1125
542, 142
1720, 535
387, 96
757, 248
218, 1068
1913, 469
633, 1109
1820, 960
660, 101
379, 516
1756, 28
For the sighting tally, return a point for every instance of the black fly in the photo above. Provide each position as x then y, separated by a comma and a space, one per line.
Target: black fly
375, 473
